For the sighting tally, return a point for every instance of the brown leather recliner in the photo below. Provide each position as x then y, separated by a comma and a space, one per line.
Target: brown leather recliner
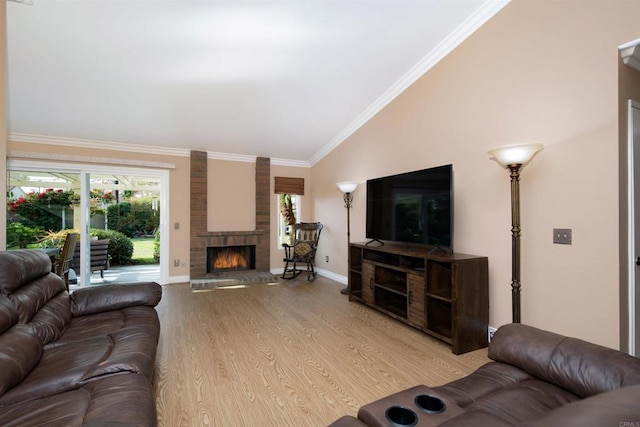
537, 378
82, 359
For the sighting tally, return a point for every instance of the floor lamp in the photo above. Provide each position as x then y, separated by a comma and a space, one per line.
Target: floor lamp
347, 189
514, 158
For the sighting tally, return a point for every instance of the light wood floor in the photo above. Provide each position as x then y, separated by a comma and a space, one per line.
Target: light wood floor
289, 354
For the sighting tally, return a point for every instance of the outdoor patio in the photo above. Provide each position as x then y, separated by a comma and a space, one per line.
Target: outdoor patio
125, 274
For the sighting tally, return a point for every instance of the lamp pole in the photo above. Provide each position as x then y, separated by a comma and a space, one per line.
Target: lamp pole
347, 189
514, 157
348, 198
515, 241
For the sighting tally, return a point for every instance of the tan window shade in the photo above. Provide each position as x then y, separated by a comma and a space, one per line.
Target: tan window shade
289, 185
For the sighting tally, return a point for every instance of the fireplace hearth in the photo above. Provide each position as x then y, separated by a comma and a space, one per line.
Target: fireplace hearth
231, 258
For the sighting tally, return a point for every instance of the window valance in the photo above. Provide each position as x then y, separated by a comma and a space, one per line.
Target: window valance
287, 185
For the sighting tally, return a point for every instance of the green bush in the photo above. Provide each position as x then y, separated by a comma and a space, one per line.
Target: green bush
120, 246
134, 217
156, 246
20, 235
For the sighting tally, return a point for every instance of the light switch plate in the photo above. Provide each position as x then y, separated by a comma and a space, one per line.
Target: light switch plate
562, 236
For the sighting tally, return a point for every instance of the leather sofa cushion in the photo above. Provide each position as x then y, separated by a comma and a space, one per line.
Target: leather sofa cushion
580, 367
38, 295
615, 408
487, 379
588, 369
513, 405
111, 321
65, 366
20, 267
8, 314
114, 297
20, 351
43, 303
53, 318
125, 400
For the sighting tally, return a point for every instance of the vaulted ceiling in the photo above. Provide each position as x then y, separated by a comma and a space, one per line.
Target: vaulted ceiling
280, 79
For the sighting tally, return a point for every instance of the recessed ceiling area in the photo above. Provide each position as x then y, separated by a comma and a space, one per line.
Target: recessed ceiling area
279, 79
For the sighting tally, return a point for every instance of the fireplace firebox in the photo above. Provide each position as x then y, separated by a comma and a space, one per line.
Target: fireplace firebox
231, 258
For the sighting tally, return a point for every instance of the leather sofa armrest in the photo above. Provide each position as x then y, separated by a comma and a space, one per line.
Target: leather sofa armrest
99, 299
615, 408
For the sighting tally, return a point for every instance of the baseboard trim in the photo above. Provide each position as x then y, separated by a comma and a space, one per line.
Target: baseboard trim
333, 276
178, 279
322, 272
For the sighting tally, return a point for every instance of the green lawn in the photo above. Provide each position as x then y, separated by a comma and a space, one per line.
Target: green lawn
143, 250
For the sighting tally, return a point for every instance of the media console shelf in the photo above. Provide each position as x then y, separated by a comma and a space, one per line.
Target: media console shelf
443, 295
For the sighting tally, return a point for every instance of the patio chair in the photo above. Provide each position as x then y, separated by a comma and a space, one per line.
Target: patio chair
99, 254
62, 265
303, 251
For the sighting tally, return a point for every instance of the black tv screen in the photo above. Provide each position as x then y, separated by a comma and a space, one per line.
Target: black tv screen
412, 207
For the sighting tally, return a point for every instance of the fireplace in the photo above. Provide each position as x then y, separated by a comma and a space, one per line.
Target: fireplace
201, 238
231, 258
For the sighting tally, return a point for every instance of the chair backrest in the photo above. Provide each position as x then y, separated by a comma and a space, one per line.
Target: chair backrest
307, 231
64, 263
306, 234
99, 255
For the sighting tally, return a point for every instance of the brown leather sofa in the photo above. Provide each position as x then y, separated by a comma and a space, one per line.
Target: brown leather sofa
537, 378
69, 360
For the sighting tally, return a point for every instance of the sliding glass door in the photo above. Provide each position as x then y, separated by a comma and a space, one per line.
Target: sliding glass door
127, 206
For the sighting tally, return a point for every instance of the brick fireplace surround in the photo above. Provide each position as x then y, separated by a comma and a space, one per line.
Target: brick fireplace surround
201, 238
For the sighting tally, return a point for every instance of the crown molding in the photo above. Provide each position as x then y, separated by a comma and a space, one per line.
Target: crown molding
630, 53
252, 159
231, 157
485, 12
292, 163
96, 144
147, 149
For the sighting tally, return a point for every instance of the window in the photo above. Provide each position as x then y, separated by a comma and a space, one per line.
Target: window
286, 202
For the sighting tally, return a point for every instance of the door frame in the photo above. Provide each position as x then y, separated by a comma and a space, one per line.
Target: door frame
632, 276
85, 170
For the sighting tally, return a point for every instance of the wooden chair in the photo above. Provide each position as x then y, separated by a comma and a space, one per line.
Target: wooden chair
303, 251
63, 263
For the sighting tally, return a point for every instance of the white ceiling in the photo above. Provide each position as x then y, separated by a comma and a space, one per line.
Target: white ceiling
280, 79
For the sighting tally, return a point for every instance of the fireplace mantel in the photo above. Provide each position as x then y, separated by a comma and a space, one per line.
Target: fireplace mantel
230, 233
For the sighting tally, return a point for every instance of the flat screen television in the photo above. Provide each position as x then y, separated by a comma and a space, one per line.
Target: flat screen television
413, 207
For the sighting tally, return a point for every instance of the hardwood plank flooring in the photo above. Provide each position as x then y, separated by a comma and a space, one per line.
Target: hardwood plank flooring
288, 354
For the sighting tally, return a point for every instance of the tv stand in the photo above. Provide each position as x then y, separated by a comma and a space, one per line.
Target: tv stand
444, 295
439, 248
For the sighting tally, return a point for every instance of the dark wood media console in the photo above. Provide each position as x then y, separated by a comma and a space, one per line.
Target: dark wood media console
443, 295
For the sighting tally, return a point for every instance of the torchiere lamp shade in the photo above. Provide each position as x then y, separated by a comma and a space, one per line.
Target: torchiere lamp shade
347, 186
515, 154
